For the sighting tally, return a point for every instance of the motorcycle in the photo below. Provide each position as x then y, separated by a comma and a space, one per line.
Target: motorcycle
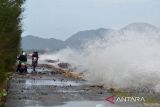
22, 67
34, 63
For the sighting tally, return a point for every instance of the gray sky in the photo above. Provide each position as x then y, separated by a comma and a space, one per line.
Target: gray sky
62, 18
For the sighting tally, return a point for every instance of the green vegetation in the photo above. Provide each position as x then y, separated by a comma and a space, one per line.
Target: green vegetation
10, 36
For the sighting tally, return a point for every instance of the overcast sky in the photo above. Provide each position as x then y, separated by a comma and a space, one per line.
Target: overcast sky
62, 18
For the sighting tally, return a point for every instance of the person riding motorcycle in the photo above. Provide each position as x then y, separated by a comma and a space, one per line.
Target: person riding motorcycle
21, 58
34, 59
35, 54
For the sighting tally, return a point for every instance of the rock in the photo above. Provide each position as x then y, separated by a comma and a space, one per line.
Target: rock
111, 89
86, 89
51, 61
64, 65
62, 79
100, 86
100, 93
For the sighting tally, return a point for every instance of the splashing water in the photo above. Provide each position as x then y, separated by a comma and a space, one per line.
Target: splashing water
120, 60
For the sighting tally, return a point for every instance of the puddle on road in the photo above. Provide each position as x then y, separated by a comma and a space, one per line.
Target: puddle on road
32, 102
90, 104
38, 69
95, 104
70, 91
51, 82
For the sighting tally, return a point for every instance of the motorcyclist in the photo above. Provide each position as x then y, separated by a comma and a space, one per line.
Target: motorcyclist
35, 54
21, 58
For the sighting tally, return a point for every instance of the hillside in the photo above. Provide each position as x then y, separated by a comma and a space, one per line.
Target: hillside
80, 38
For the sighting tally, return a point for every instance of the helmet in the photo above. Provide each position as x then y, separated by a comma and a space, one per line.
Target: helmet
35, 52
23, 53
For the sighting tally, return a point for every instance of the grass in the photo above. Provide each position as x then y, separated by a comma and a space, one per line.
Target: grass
3, 89
3, 93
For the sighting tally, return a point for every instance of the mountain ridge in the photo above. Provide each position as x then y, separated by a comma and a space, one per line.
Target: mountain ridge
76, 40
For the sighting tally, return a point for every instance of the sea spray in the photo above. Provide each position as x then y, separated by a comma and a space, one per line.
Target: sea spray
123, 59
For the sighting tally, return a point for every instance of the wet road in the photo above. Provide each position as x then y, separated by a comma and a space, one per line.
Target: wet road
48, 89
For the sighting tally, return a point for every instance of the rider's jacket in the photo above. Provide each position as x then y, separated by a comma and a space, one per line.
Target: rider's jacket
22, 58
34, 55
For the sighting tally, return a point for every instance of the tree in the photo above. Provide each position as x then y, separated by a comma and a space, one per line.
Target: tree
10, 35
